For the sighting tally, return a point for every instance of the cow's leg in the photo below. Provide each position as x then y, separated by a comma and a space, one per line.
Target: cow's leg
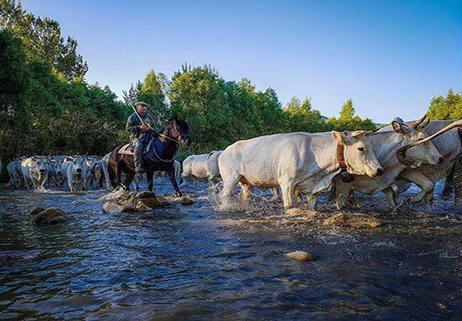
276, 195
449, 185
246, 191
420, 180
342, 191
391, 196
171, 175
229, 183
312, 200
288, 189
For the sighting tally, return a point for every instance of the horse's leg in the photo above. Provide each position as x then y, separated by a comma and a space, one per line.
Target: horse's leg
149, 177
171, 174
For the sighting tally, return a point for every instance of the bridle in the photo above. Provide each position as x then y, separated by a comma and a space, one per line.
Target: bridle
176, 141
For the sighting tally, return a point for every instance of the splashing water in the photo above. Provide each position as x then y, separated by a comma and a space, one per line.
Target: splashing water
225, 204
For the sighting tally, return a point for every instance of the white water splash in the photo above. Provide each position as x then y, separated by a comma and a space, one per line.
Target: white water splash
222, 204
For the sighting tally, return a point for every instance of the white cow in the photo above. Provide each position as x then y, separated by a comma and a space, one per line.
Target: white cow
15, 173
202, 166
295, 161
449, 146
77, 170
56, 173
386, 144
34, 170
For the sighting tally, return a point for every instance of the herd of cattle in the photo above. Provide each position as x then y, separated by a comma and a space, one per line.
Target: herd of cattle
387, 161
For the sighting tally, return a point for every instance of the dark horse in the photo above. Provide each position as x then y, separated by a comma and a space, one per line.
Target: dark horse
158, 155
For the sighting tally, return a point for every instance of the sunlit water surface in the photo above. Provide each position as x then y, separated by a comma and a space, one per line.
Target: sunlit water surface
192, 262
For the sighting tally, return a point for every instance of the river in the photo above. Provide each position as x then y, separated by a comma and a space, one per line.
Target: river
192, 262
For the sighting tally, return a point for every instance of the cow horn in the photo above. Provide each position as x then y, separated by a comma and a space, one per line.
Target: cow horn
418, 122
401, 153
425, 124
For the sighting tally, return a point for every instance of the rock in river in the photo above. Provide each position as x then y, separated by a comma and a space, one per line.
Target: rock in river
301, 256
353, 220
132, 202
51, 216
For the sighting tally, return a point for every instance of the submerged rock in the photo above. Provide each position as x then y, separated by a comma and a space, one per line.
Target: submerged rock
36, 210
301, 256
111, 207
51, 216
353, 220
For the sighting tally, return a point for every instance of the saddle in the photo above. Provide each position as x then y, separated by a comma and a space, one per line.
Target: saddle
127, 149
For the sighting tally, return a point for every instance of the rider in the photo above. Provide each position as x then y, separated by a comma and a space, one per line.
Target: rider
140, 132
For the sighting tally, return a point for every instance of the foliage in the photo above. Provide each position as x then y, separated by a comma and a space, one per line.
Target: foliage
349, 121
446, 108
303, 118
42, 40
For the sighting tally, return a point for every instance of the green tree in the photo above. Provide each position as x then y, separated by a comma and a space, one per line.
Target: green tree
42, 39
447, 107
303, 118
349, 121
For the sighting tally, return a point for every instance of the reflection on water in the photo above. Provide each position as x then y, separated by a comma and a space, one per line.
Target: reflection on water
194, 262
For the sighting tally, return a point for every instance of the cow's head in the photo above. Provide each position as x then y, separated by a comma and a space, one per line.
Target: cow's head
40, 164
425, 153
78, 165
358, 154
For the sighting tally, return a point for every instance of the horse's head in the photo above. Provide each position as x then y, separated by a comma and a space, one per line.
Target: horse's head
181, 131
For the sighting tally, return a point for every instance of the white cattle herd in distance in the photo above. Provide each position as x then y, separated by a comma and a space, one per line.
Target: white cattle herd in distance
387, 160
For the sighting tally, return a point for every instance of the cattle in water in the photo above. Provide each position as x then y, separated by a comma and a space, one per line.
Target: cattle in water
203, 166
449, 146
296, 161
386, 143
14, 172
77, 170
55, 172
96, 174
35, 171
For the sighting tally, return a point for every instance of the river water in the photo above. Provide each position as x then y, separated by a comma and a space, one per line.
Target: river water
192, 262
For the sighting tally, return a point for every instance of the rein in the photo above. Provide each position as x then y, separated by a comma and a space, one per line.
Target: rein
177, 144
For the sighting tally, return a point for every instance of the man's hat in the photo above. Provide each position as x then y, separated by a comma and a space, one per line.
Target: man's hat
141, 103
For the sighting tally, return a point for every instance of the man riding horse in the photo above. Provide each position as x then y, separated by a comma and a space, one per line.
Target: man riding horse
154, 151
141, 127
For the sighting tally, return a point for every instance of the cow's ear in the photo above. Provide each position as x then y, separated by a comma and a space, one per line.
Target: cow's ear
338, 137
34, 158
69, 159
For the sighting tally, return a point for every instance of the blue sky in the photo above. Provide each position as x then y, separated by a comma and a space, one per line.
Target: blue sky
390, 57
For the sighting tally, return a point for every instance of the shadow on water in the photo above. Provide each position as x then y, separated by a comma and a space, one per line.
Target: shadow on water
193, 262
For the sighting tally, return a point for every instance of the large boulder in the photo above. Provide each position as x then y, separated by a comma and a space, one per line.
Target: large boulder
353, 220
132, 202
51, 216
